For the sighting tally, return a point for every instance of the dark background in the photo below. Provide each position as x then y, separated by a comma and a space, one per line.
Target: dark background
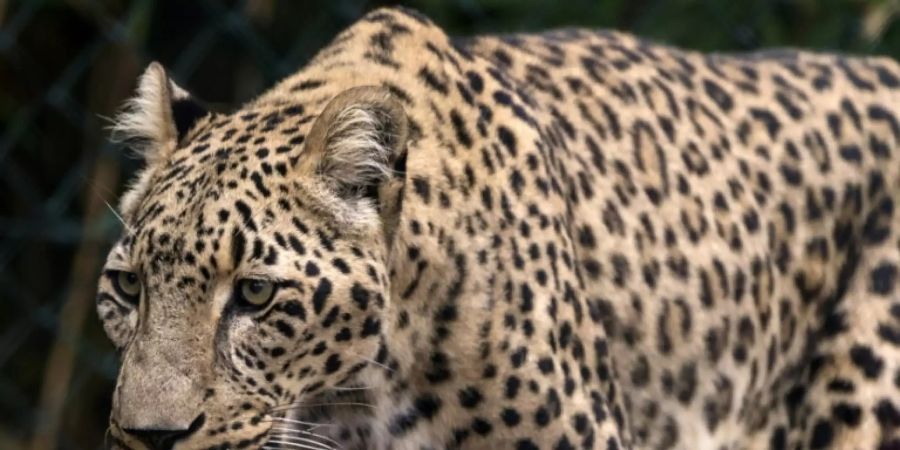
65, 66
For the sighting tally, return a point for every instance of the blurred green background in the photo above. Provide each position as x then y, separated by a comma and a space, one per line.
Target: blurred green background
66, 65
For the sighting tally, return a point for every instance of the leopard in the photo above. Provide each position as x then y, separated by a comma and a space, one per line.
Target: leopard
574, 239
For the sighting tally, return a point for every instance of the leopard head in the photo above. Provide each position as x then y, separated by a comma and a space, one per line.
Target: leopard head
251, 272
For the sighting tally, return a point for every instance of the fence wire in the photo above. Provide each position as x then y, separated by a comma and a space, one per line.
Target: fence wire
65, 66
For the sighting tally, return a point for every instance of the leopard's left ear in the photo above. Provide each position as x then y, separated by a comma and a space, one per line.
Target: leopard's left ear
357, 142
158, 116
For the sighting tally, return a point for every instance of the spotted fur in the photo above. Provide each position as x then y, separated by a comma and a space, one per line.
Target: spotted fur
567, 240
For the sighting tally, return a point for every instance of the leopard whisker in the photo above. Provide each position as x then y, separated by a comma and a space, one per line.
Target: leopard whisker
370, 361
298, 445
305, 433
298, 422
304, 440
118, 217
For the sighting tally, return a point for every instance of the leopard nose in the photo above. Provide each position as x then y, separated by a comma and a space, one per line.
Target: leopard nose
165, 439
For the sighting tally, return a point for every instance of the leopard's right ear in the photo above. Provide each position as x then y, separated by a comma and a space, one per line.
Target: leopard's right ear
152, 123
158, 116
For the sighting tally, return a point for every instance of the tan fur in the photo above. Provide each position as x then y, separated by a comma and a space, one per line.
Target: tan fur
595, 242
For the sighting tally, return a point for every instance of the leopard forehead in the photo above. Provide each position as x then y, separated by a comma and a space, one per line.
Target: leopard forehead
560, 240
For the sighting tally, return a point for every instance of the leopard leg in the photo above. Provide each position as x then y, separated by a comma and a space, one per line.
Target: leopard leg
848, 394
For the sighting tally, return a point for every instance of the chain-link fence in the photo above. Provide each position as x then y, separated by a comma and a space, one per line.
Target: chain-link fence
66, 65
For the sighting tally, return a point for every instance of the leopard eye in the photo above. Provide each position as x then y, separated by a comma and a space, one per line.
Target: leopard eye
127, 285
255, 293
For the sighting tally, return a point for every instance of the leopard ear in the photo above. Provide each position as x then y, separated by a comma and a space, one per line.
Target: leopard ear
356, 142
158, 116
